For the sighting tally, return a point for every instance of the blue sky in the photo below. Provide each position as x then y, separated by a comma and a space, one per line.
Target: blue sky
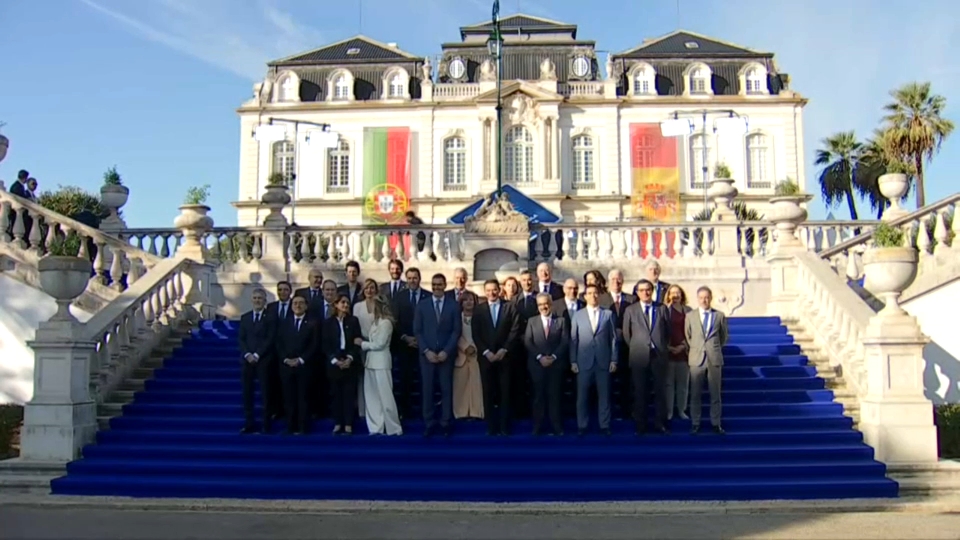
151, 85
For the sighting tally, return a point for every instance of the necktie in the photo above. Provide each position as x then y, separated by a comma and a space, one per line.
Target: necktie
706, 322
546, 328
326, 310
298, 324
393, 290
283, 310
649, 315
593, 319
437, 307
256, 317
313, 294
572, 307
494, 313
413, 298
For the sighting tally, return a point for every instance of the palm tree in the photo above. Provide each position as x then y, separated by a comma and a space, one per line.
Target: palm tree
839, 157
916, 127
875, 161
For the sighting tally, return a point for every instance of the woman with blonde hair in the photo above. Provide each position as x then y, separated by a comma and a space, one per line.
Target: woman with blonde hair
381, 407
363, 311
678, 370
467, 388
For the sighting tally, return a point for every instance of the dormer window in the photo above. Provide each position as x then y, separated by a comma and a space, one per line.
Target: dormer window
692, 45
353, 51
753, 80
341, 88
397, 86
289, 89
698, 81
643, 80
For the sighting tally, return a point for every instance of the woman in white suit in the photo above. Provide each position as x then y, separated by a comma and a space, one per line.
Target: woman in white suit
381, 408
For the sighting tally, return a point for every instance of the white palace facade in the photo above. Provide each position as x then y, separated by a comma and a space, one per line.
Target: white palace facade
570, 130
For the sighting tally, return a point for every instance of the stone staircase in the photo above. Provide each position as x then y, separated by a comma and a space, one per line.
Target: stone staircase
832, 375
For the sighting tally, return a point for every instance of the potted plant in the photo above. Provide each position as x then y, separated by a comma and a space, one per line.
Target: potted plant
786, 212
193, 219
113, 194
722, 191
276, 198
889, 266
893, 186
63, 274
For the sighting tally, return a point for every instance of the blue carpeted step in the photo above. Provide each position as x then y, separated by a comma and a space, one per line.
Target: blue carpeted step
453, 489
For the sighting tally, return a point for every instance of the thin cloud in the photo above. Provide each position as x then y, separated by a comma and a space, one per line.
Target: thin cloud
215, 31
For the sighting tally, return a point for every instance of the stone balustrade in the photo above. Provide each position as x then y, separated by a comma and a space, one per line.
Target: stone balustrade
581, 89
455, 91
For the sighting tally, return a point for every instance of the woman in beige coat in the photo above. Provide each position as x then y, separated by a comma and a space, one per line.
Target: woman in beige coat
467, 389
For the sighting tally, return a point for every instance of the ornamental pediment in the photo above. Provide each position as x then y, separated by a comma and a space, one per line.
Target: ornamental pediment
514, 88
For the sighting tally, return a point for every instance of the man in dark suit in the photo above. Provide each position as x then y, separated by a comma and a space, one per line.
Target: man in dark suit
546, 283
520, 383
314, 292
353, 289
459, 283
593, 357
706, 332
659, 287
547, 342
297, 347
646, 327
396, 284
256, 339
569, 303
407, 350
617, 301
278, 312
437, 324
496, 327
19, 186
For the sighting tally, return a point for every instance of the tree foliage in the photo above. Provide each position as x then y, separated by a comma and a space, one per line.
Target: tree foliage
73, 202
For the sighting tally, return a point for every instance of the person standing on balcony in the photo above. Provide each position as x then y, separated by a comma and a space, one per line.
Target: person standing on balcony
706, 332
646, 326
343, 363
545, 283
256, 337
352, 288
678, 369
437, 325
19, 186
297, 346
496, 328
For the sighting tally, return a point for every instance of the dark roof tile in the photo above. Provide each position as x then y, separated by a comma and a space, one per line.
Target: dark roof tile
688, 44
355, 49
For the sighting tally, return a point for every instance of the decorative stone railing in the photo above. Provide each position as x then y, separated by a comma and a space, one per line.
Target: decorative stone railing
585, 89
455, 91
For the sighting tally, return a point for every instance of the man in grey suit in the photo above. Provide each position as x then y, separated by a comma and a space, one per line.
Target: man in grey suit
706, 331
645, 332
593, 357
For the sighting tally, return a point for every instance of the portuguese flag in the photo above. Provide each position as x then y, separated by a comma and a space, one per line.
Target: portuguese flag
386, 175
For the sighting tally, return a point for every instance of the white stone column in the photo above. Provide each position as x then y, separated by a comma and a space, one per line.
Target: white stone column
783, 285
555, 133
62, 416
895, 417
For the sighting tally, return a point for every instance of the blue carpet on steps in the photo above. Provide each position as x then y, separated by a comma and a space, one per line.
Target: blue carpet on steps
787, 439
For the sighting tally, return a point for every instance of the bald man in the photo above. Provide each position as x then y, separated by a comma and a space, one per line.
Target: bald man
569, 301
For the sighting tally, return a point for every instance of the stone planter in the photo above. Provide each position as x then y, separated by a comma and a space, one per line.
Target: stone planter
722, 191
4, 145
194, 222
64, 278
786, 215
276, 199
113, 197
893, 186
888, 271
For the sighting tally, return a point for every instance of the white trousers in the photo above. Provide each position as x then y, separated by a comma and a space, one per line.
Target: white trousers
381, 407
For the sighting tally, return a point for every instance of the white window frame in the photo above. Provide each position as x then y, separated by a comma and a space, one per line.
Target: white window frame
758, 150
518, 156
698, 80
643, 80
699, 151
284, 159
289, 89
397, 86
338, 168
584, 161
455, 163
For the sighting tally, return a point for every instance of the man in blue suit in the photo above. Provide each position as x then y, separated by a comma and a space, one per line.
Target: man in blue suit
436, 325
593, 357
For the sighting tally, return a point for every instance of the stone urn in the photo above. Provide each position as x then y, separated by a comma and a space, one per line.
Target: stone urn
194, 222
113, 197
64, 278
893, 186
888, 271
275, 199
786, 215
4, 145
722, 191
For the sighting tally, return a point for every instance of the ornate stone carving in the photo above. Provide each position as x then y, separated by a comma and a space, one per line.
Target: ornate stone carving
523, 110
611, 69
263, 90
548, 72
488, 73
497, 216
426, 70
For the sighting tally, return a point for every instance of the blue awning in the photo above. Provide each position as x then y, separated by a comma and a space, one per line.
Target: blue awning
534, 211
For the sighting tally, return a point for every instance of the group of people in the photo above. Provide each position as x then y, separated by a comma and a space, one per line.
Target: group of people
330, 350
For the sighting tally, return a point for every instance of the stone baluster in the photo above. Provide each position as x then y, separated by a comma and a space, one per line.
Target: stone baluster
401, 249
18, 227
940, 232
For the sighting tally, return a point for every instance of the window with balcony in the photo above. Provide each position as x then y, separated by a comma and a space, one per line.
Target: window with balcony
518, 156
699, 161
583, 162
758, 164
338, 168
284, 159
455, 164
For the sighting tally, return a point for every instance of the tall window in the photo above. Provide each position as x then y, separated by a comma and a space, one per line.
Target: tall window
338, 168
341, 88
699, 80
284, 159
289, 89
754, 81
758, 168
643, 83
518, 156
583, 162
454, 164
699, 161
397, 86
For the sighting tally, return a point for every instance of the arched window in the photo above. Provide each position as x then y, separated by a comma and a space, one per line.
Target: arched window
342, 87
398, 86
518, 156
583, 162
754, 81
284, 159
699, 80
289, 89
699, 161
644, 81
758, 166
338, 168
454, 164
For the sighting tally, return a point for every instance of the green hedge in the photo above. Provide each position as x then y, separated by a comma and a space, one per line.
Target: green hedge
11, 416
948, 430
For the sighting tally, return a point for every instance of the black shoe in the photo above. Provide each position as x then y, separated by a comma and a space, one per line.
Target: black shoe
428, 432
492, 432
505, 432
581, 432
606, 432
640, 428
719, 430
247, 430
694, 430
535, 432
557, 433
662, 430
298, 433
289, 432
447, 431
